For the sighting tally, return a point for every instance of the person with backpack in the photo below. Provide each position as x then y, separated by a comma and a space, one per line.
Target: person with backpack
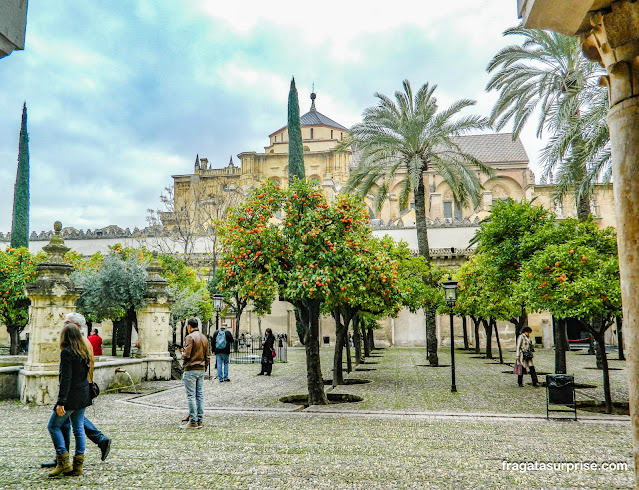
223, 340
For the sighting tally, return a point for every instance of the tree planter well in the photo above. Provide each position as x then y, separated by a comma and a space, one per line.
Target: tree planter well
364, 369
430, 365
618, 408
350, 381
332, 398
609, 369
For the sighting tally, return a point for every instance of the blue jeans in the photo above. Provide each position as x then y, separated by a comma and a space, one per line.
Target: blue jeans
194, 382
90, 430
55, 429
222, 361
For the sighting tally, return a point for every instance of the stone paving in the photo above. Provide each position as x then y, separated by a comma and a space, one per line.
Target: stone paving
409, 432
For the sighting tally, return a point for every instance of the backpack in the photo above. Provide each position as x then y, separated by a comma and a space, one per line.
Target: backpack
220, 340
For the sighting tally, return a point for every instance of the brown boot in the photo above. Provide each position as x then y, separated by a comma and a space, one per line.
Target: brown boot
78, 461
62, 464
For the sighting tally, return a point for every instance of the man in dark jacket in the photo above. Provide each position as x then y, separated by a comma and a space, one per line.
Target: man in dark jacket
196, 359
222, 339
92, 433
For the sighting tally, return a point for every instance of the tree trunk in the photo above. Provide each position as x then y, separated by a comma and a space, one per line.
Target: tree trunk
349, 360
114, 341
130, 317
591, 345
420, 220
489, 338
606, 373
561, 344
310, 317
619, 323
14, 335
299, 326
371, 339
367, 346
583, 208
600, 348
424, 250
476, 322
465, 332
523, 320
357, 340
340, 337
501, 355
431, 336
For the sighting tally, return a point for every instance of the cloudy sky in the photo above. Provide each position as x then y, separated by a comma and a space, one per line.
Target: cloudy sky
121, 94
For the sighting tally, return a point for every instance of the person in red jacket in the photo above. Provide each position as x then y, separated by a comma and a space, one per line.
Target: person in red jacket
96, 342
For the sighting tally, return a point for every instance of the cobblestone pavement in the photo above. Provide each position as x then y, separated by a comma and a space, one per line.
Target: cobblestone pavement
409, 432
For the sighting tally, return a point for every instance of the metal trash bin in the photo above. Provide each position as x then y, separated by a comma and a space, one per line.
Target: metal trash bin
560, 390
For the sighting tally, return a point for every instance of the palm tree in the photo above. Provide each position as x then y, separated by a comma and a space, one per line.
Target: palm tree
401, 140
547, 73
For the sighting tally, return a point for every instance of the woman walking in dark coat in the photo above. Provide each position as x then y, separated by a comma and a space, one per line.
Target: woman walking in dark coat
524, 356
73, 397
267, 353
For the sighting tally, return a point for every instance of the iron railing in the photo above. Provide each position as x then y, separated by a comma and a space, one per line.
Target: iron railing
248, 349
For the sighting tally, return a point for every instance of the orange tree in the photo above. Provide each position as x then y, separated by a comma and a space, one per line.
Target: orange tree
364, 279
579, 279
468, 302
419, 280
508, 237
485, 299
302, 257
17, 268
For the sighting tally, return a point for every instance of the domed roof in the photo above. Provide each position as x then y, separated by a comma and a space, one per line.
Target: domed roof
315, 118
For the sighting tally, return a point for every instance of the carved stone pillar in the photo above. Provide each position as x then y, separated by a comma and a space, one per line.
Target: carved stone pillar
154, 331
53, 295
613, 41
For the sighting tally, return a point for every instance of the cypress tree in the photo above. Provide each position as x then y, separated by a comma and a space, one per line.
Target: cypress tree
20, 224
295, 149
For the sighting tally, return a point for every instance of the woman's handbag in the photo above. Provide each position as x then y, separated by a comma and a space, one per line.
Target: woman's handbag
94, 390
527, 355
518, 369
274, 353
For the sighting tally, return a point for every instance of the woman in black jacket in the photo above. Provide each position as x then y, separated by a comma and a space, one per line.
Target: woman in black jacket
73, 397
267, 353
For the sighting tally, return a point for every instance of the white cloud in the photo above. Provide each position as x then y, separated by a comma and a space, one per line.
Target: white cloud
121, 97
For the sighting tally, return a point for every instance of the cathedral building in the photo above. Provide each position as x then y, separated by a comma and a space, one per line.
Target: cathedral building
320, 135
450, 227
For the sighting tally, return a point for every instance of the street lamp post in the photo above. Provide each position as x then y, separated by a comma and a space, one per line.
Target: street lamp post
450, 292
217, 306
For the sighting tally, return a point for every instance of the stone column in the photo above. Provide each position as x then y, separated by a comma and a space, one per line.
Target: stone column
154, 331
613, 40
52, 296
